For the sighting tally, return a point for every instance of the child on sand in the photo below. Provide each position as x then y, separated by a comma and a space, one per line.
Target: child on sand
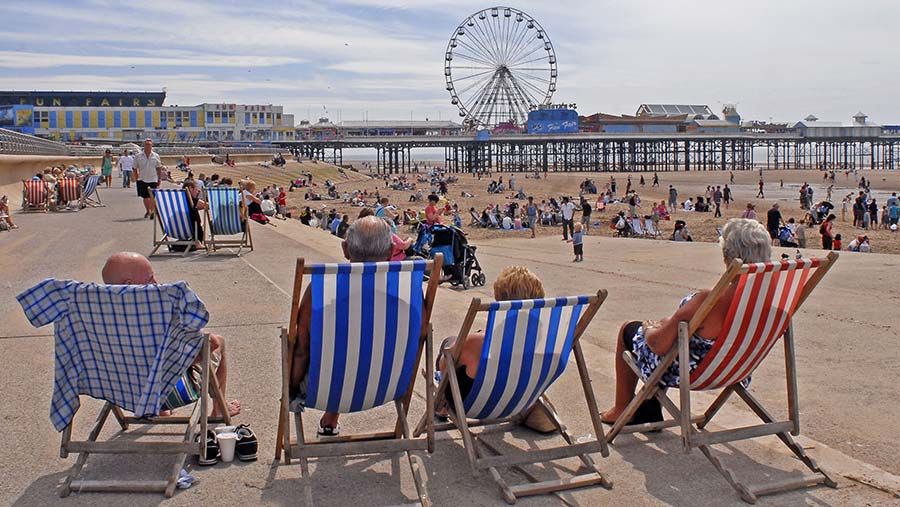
578, 243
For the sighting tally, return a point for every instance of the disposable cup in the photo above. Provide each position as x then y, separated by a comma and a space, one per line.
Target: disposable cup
225, 429
227, 443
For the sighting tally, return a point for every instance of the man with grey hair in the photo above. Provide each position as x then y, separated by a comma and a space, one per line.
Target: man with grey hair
368, 240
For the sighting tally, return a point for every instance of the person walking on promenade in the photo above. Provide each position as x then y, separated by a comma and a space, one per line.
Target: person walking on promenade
126, 165
106, 167
655, 180
586, 215
760, 194
726, 195
149, 172
578, 243
567, 209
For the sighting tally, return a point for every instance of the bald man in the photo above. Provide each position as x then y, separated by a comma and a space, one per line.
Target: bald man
368, 240
129, 268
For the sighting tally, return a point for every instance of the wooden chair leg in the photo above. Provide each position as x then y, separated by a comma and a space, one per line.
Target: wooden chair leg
417, 468
590, 399
120, 417
646, 392
83, 456
459, 415
304, 461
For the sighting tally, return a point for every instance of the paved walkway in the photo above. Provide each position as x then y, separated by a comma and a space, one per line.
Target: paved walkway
843, 358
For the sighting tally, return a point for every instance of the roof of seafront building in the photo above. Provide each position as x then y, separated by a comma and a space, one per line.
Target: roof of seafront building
672, 110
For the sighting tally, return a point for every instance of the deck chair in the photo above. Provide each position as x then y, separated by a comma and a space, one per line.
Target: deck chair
527, 345
226, 216
494, 222
70, 192
91, 194
476, 220
766, 298
651, 229
174, 219
35, 196
130, 355
370, 325
636, 227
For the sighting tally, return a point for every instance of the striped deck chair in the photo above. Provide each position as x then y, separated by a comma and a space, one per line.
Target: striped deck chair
70, 192
91, 194
128, 346
370, 325
527, 345
766, 297
636, 226
35, 196
174, 219
651, 229
226, 216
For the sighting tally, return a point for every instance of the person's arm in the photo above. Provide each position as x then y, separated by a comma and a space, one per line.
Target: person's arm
660, 336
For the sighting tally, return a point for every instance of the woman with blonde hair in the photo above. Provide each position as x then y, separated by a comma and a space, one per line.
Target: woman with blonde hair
513, 283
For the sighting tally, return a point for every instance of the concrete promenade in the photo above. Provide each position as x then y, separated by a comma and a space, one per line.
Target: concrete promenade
847, 352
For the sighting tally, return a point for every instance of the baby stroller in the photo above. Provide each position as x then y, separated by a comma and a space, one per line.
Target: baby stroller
461, 266
621, 225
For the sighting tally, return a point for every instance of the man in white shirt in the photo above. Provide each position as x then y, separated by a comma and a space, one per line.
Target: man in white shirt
567, 208
126, 165
149, 173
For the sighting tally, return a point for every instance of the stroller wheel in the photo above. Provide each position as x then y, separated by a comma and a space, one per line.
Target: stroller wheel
465, 283
481, 279
474, 279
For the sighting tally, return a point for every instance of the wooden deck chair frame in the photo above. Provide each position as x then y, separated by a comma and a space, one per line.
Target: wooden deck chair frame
702, 439
75, 186
181, 449
92, 198
29, 206
213, 243
160, 236
400, 439
490, 458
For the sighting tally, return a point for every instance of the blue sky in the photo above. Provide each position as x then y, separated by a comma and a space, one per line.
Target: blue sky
775, 59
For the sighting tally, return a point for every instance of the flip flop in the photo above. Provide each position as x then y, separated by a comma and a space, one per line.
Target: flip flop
328, 431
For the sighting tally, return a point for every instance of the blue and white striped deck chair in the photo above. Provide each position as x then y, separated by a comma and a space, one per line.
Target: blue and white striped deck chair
174, 218
91, 196
225, 216
369, 325
527, 345
126, 345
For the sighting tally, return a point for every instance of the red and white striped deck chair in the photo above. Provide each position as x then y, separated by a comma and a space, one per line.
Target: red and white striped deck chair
765, 299
70, 193
35, 196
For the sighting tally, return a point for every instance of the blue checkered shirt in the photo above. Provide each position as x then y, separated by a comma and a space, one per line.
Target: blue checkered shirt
127, 344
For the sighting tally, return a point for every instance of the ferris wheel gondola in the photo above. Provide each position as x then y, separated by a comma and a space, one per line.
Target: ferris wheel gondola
499, 65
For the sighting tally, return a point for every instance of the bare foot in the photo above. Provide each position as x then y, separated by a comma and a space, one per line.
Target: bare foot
234, 408
610, 416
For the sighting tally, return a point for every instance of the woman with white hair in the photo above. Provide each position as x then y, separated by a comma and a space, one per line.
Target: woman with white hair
743, 239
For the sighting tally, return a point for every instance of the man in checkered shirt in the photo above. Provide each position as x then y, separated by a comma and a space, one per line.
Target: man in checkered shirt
129, 268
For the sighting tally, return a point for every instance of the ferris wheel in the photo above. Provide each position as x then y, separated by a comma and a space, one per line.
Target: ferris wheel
499, 65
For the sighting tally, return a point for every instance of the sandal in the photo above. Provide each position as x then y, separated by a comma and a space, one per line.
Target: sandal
328, 431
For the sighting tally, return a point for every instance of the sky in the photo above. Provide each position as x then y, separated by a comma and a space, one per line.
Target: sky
777, 60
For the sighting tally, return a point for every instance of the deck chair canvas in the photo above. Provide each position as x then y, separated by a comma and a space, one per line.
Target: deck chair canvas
70, 192
651, 229
131, 358
35, 196
370, 325
91, 194
765, 300
527, 345
636, 226
226, 216
174, 220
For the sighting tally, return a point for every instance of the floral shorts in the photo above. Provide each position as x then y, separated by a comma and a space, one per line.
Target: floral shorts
648, 361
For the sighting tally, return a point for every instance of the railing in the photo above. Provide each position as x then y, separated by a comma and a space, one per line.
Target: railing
14, 143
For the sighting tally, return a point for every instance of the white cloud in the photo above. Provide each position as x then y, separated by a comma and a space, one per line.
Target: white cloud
28, 60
